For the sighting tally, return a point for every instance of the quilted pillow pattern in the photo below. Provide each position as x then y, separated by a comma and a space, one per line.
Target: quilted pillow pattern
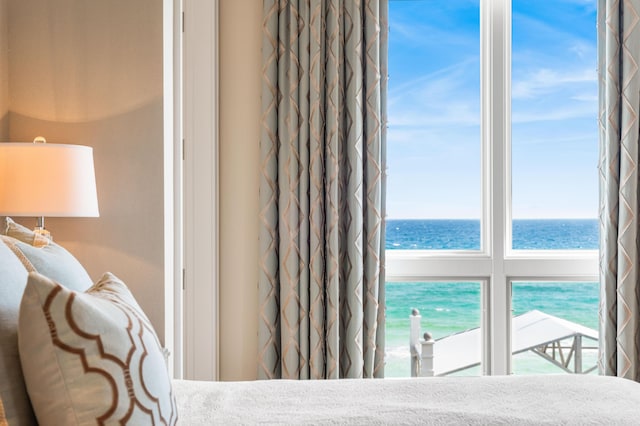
92, 357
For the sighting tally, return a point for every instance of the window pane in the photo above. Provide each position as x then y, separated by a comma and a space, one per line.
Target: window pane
554, 121
446, 308
438, 234
433, 149
549, 234
549, 318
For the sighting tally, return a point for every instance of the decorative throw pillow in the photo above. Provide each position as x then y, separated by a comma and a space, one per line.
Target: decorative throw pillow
24, 234
17, 258
92, 357
46, 257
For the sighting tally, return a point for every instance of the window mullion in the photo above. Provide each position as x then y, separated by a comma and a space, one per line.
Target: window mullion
406, 266
583, 267
495, 88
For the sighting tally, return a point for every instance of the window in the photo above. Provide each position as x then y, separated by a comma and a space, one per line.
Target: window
447, 309
492, 188
571, 333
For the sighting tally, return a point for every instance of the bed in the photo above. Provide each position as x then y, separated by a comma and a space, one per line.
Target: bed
73, 352
507, 400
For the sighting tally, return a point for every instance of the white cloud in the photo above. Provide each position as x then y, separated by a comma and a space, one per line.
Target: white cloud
558, 113
586, 97
429, 35
582, 50
444, 97
588, 5
544, 81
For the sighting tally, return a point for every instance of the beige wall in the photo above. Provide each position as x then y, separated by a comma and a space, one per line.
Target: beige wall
240, 79
90, 73
4, 72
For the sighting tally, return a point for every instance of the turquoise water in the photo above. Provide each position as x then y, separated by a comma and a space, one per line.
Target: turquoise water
451, 307
462, 234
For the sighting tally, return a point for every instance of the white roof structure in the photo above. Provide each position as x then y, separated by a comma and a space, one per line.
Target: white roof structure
534, 330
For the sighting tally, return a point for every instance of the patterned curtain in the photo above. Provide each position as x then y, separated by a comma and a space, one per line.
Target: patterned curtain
619, 56
321, 284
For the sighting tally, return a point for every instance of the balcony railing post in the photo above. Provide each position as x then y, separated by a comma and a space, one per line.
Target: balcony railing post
414, 342
421, 349
426, 364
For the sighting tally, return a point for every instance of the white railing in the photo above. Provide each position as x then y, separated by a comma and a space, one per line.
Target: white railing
421, 348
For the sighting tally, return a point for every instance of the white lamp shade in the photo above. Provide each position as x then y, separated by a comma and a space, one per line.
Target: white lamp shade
44, 179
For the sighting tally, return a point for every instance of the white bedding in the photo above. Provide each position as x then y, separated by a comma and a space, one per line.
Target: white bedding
509, 400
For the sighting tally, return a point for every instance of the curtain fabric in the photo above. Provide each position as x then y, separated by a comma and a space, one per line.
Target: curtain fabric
618, 57
321, 283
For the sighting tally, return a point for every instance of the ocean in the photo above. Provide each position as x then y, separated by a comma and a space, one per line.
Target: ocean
452, 307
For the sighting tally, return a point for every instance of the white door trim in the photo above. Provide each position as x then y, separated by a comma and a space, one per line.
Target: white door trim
200, 125
172, 183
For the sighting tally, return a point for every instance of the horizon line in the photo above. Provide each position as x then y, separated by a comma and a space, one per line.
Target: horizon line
478, 219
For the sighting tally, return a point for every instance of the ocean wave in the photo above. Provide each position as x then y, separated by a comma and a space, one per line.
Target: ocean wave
398, 352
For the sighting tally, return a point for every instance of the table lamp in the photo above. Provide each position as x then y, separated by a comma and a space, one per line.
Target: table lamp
40, 179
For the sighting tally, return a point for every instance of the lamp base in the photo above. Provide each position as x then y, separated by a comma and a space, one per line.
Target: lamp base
42, 236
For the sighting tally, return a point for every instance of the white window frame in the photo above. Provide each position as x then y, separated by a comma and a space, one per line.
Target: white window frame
496, 265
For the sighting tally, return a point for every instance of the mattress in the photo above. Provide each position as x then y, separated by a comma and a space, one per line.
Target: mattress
508, 400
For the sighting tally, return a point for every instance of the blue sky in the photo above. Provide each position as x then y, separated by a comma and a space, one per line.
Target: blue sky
434, 109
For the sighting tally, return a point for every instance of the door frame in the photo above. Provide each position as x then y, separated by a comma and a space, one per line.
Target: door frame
190, 69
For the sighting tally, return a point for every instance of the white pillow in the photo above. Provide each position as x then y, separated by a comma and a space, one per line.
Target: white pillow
15, 407
18, 256
42, 255
92, 357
